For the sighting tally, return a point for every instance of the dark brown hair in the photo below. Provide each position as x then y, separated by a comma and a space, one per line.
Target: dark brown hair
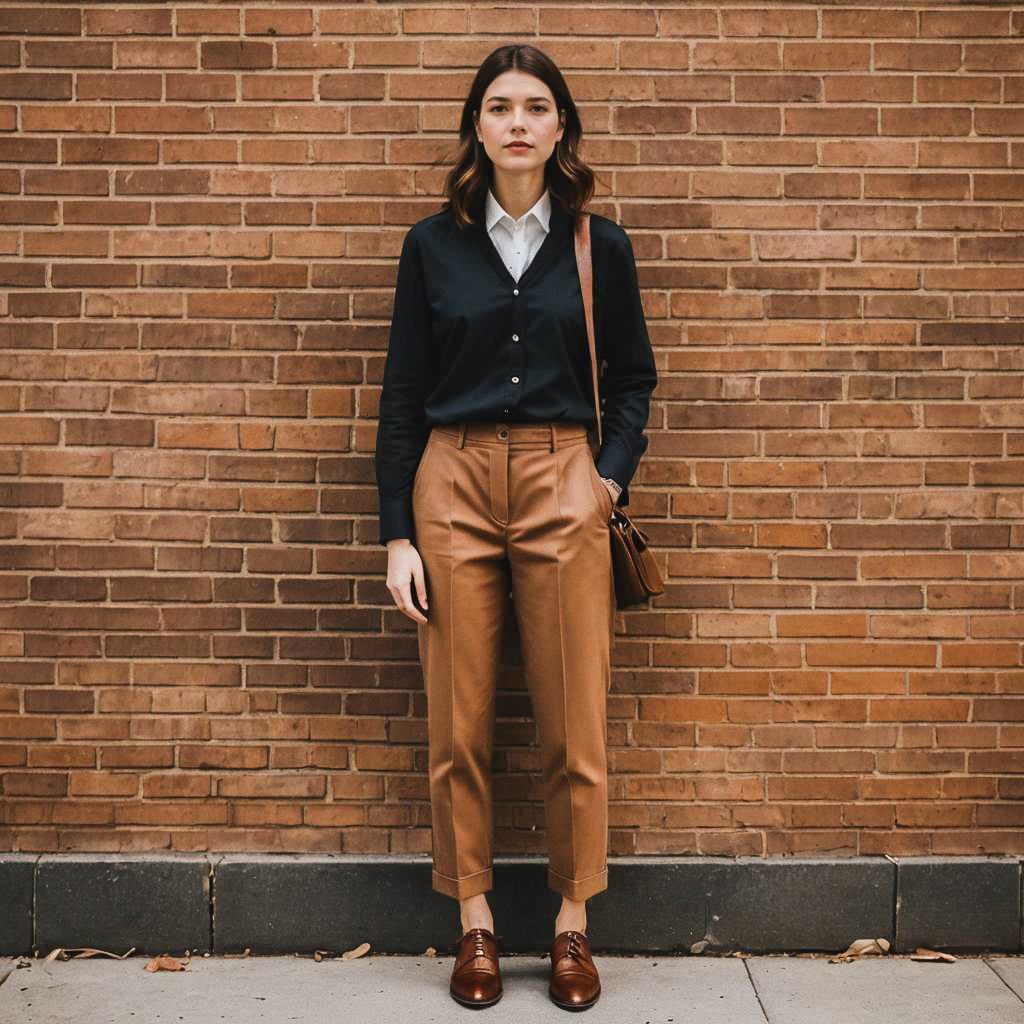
570, 180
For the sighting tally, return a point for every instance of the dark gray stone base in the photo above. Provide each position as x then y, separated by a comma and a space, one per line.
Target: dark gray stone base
113, 902
17, 879
295, 903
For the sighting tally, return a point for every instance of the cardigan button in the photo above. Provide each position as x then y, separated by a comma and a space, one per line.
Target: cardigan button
515, 380
515, 291
515, 337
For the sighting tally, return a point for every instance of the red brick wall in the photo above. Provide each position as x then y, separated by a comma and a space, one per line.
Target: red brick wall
202, 208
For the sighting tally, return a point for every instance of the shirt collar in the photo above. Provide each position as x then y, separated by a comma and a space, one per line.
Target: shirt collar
541, 210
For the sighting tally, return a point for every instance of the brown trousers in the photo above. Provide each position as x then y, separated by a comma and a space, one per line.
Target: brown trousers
491, 501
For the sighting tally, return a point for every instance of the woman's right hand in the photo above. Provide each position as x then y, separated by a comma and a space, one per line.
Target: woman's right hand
405, 569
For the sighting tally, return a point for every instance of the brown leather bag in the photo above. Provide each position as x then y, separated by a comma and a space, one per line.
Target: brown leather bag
637, 576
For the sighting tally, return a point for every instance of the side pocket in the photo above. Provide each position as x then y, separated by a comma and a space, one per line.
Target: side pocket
422, 464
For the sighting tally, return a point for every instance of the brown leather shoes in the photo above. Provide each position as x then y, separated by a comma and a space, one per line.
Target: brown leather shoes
476, 977
575, 984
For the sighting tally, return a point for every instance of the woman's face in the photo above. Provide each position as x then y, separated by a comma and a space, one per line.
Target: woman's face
518, 107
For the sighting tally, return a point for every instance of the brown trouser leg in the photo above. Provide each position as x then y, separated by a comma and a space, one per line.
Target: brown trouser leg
490, 497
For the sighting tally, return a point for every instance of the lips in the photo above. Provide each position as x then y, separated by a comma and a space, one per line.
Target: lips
518, 145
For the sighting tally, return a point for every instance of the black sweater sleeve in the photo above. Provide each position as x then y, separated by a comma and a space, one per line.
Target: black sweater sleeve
630, 374
402, 432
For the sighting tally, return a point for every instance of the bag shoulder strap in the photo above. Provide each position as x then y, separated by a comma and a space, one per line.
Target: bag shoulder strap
584, 264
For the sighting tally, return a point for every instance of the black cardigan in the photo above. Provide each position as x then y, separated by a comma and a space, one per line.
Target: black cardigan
469, 342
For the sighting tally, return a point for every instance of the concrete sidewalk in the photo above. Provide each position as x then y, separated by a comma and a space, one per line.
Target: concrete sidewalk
396, 989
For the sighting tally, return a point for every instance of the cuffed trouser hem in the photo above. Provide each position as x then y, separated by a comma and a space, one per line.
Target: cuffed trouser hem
462, 888
578, 888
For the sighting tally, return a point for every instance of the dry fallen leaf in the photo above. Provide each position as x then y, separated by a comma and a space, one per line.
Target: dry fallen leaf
165, 962
351, 954
930, 954
430, 951
83, 952
861, 947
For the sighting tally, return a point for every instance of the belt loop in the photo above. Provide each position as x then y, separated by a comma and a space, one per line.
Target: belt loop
551, 424
462, 434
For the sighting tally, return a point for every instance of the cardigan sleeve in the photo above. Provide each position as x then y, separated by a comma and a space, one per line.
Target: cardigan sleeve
630, 374
402, 432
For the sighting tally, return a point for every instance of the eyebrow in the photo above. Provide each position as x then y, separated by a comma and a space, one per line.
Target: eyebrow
529, 99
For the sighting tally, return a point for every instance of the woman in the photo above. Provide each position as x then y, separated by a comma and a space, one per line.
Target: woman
487, 479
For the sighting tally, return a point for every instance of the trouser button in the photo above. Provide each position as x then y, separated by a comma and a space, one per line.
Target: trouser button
503, 433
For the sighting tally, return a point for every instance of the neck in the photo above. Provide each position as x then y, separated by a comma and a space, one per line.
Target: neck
517, 192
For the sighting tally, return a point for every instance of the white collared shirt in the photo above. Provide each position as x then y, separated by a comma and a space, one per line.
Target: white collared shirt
518, 240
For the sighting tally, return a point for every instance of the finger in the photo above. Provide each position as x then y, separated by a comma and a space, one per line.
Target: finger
407, 606
421, 587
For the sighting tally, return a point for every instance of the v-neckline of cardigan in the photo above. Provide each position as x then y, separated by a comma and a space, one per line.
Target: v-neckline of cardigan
556, 224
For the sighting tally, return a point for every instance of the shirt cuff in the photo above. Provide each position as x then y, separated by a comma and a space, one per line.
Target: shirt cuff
396, 520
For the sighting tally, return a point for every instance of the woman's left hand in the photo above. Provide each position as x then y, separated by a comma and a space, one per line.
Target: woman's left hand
612, 488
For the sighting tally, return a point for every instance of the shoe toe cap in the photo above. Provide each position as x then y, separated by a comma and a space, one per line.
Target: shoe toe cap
478, 986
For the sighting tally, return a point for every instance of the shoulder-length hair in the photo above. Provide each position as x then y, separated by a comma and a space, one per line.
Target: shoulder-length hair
570, 180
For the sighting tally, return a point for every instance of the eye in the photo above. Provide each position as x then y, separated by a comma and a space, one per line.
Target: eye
536, 106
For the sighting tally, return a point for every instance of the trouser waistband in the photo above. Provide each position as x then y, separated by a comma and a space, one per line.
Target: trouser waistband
551, 433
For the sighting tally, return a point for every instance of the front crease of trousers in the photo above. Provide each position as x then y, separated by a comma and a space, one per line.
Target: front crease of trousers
490, 500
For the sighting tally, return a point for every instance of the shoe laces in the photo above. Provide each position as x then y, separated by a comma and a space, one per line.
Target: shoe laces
574, 948
478, 941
